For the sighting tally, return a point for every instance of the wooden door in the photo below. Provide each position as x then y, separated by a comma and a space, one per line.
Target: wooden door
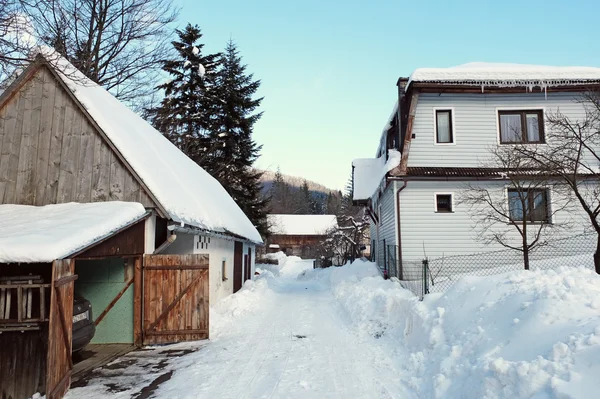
238, 271
175, 298
248, 266
59, 364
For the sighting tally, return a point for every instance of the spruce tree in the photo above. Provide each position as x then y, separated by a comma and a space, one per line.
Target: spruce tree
231, 129
184, 115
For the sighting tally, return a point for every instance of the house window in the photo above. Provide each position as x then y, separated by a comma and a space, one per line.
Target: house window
443, 127
531, 205
517, 127
224, 270
443, 203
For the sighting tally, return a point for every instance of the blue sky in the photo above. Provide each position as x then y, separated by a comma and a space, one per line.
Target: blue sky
329, 68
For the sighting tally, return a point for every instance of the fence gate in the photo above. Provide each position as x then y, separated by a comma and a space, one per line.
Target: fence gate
175, 298
59, 363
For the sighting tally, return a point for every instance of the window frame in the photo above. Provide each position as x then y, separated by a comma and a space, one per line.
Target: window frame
435, 125
547, 195
435, 202
522, 112
224, 269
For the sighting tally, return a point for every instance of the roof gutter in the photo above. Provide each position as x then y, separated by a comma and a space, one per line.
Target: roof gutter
209, 233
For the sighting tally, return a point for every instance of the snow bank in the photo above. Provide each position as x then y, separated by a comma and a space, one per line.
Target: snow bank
253, 295
288, 266
519, 335
368, 173
45, 233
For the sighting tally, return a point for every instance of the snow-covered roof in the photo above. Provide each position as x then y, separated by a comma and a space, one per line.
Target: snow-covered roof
186, 191
301, 225
368, 173
507, 75
46, 233
388, 125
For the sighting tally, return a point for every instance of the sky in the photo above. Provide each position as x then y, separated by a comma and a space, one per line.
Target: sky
328, 69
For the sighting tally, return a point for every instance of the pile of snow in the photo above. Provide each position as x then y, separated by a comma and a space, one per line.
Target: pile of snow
186, 191
301, 225
499, 74
368, 173
46, 233
287, 266
518, 335
246, 301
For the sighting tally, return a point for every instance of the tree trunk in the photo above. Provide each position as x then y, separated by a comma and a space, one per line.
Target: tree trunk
525, 246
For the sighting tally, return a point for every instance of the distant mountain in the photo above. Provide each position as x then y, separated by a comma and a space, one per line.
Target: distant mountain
319, 194
294, 181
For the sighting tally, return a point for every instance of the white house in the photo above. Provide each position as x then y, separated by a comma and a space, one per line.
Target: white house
438, 140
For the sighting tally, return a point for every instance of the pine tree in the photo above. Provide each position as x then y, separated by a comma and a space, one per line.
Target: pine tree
231, 129
184, 115
280, 194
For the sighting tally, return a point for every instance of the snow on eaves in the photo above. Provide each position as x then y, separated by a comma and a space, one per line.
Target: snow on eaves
368, 173
186, 191
301, 225
507, 75
46, 233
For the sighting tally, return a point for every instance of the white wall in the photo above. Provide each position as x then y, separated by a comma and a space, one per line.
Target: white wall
425, 232
219, 250
475, 124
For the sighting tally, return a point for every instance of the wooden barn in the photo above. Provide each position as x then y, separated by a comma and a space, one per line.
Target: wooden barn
95, 202
298, 235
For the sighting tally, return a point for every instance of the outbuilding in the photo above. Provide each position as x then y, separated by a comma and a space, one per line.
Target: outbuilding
95, 201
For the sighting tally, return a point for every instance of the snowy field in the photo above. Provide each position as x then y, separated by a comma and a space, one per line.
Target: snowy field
345, 332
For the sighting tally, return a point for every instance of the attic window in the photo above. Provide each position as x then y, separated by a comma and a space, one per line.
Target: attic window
443, 203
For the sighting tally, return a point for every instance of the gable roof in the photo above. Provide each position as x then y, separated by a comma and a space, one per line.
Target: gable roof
301, 225
185, 191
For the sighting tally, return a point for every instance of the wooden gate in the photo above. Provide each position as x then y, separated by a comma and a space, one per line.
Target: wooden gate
238, 267
59, 363
175, 298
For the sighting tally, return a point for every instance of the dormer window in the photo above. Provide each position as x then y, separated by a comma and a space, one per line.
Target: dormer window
521, 127
443, 127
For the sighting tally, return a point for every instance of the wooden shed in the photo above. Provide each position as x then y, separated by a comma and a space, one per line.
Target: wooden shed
299, 235
67, 142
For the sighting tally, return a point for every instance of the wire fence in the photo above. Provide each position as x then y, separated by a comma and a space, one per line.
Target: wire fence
438, 274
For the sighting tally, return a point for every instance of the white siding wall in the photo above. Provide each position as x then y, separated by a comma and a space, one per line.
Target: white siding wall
446, 234
387, 222
475, 124
219, 250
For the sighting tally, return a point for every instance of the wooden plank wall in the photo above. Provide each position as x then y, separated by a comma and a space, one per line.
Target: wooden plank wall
58, 373
176, 298
50, 153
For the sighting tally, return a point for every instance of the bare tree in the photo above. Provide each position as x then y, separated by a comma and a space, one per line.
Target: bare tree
517, 212
344, 241
572, 154
116, 43
16, 36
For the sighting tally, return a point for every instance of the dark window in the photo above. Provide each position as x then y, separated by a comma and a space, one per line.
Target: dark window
531, 205
443, 202
521, 127
443, 123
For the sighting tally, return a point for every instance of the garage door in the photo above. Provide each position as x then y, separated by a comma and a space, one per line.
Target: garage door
175, 298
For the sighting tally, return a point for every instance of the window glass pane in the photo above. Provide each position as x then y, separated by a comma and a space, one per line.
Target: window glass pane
444, 203
515, 205
539, 212
510, 128
533, 127
443, 127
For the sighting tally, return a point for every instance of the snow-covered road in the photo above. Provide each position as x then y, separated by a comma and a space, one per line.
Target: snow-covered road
298, 344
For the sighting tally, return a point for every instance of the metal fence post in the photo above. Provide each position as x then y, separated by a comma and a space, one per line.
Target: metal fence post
425, 277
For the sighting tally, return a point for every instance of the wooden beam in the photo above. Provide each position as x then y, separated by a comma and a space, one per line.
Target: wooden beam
63, 325
137, 302
401, 169
113, 302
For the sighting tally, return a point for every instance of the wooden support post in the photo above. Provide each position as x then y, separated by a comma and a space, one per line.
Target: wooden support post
137, 302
